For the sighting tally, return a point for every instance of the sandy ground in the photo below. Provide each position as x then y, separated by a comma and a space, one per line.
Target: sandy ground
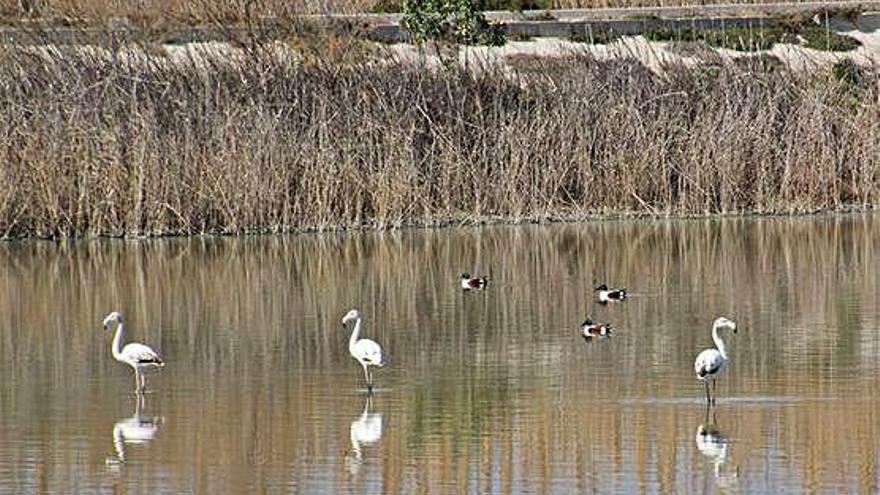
657, 54
654, 55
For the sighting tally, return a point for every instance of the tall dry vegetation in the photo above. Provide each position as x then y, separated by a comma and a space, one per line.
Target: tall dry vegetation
145, 142
157, 13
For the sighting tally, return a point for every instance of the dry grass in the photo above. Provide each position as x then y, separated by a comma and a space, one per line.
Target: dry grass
149, 12
145, 142
159, 13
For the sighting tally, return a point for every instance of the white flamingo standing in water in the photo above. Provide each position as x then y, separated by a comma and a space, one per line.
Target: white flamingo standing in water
138, 356
366, 351
710, 362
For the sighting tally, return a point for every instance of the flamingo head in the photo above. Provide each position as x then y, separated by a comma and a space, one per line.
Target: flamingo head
465, 276
115, 316
602, 287
351, 315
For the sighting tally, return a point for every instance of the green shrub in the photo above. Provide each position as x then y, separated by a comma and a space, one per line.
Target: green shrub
516, 5
820, 38
848, 73
734, 38
453, 21
386, 7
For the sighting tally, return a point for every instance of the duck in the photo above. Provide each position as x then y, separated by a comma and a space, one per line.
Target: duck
469, 283
591, 330
607, 295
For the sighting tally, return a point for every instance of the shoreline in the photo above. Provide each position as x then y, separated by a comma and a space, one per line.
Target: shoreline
444, 224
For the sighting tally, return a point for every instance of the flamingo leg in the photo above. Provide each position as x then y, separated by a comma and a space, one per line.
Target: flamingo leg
367, 377
714, 390
137, 381
708, 397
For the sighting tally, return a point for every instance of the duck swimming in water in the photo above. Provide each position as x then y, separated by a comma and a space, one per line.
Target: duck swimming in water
471, 283
607, 295
591, 330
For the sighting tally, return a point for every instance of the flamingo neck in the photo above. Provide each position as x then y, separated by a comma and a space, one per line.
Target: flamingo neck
354, 335
116, 347
719, 343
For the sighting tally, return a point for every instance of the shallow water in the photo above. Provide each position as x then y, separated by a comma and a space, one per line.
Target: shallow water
484, 392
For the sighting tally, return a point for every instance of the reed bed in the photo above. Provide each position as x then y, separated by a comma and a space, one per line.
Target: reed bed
146, 142
159, 13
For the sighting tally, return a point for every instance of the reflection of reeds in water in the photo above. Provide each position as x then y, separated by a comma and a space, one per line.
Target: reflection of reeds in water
497, 386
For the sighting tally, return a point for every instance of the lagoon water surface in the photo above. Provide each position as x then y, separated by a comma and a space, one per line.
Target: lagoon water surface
484, 392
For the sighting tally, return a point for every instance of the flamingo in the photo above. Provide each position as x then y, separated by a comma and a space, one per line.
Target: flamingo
468, 282
138, 356
365, 351
607, 295
710, 362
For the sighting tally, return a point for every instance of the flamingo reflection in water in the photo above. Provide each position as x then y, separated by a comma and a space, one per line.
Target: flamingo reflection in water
713, 444
365, 430
137, 429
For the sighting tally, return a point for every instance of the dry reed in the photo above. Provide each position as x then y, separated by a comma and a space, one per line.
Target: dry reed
144, 142
159, 13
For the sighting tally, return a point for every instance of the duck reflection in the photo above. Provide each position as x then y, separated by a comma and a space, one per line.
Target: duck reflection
712, 443
365, 430
137, 429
